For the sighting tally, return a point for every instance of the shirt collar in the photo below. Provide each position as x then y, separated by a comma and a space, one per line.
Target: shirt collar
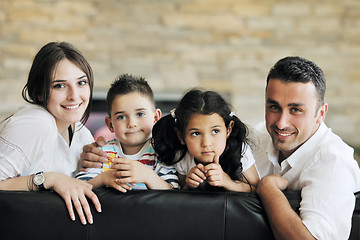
301, 153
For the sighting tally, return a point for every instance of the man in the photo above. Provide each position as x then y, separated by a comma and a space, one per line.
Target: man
303, 154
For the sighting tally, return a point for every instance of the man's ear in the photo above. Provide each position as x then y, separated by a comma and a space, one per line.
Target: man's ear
157, 115
322, 113
179, 136
109, 124
229, 128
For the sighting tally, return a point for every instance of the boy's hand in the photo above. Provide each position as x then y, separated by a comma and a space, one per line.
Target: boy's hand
109, 179
131, 171
195, 176
215, 174
92, 156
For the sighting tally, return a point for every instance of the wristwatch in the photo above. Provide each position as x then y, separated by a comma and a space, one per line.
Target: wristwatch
39, 180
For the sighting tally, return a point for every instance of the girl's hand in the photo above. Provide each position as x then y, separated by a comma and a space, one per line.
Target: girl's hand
215, 174
131, 171
74, 192
195, 176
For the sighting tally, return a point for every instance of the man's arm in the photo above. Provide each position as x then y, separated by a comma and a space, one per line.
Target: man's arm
284, 221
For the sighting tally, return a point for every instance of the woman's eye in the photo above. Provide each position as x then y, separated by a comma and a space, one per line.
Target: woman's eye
83, 83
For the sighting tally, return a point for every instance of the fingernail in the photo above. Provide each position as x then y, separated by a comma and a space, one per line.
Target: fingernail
91, 221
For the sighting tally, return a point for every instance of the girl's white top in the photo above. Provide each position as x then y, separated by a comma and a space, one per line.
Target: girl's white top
188, 162
30, 142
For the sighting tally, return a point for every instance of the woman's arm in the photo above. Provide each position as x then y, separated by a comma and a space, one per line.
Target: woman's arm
73, 191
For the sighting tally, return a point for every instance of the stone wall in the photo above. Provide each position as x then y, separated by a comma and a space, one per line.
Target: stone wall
226, 45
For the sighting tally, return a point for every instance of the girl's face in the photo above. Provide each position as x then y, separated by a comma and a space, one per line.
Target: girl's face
69, 94
205, 136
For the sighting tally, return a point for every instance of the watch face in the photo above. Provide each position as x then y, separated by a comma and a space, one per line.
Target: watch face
39, 179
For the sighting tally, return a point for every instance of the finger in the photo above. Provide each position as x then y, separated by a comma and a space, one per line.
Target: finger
200, 166
79, 209
100, 141
200, 173
121, 160
69, 207
86, 208
216, 159
124, 180
92, 196
122, 174
192, 183
120, 188
123, 185
196, 178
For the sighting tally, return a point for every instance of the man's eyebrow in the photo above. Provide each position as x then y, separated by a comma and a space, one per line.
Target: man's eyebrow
271, 101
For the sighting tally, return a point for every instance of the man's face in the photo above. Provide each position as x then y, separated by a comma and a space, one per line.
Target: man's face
292, 114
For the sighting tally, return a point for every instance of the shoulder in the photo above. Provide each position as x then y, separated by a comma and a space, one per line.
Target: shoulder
30, 121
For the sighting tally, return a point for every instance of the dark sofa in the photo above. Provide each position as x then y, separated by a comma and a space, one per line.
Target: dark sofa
172, 215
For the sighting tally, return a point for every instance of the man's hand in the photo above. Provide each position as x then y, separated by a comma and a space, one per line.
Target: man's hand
92, 156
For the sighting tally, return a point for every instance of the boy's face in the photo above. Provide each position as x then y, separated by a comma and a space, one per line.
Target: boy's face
132, 119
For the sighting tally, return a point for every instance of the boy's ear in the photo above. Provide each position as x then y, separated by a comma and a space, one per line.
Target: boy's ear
109, 124
157, 115
229, 128
179, 136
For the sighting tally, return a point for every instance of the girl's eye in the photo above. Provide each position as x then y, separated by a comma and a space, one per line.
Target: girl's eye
195, 134
59, 85
215, 131
120, 117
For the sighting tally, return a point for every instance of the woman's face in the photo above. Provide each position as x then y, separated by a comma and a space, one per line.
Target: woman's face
69, 94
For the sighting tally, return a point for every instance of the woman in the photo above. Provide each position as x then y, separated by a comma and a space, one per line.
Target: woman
41, 143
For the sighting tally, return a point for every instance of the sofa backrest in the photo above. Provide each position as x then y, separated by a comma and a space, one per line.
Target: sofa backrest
154, 214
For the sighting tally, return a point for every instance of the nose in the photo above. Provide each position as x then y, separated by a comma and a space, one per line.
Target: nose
205, 141
131, 122
283, 121
72, 93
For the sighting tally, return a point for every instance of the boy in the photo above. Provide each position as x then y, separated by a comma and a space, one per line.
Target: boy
132, 114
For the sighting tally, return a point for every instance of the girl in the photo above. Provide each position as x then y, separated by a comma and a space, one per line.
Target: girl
40, 144
207, 143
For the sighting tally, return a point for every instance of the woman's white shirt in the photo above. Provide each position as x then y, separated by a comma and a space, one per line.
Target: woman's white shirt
30, 142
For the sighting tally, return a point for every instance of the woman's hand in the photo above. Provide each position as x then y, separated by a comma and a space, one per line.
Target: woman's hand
74, 192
